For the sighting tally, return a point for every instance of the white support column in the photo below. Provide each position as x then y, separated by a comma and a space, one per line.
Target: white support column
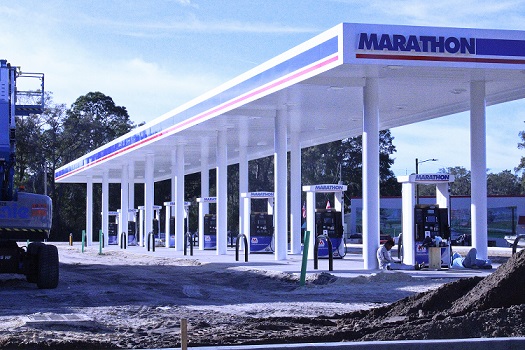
243, 173
478, 166
131, 187
89, 211
170, 210
408, 202
149, 185
205, 189
124, 202
246, 228
105, 207
295, 193
310, 222
370, 173
179, 199
281, 185
222, 191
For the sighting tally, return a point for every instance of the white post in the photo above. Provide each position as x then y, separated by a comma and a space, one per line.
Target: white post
281, 185
243, 176
222, 191
179, 201
89, 211
149, 195
295, 194
131, 192
370, 173
205, 189
310, 222
247, 212
478, 165
105, 207
124, 203
408, 202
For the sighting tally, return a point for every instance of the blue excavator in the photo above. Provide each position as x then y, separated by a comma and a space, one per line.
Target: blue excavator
25, 218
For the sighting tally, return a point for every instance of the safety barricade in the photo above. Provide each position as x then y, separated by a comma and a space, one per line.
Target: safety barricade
237, 244
330, 252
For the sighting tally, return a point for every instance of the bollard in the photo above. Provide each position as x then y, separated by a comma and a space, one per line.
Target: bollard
100, 242
306, 245
123, 240
151, 238
71, 239
245, 240
83, 240
184, 334
330, 252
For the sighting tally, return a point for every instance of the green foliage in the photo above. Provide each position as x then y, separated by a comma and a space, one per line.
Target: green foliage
52, 139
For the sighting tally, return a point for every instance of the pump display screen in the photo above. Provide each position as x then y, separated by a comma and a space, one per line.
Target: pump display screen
431, 219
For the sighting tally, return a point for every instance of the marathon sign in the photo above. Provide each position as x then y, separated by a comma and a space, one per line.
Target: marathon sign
325, 188
415, 43
261, 194
207, 200
431, 178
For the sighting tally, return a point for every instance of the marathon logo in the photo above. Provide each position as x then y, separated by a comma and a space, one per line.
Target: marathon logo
262, 194
432, 177
329, 187
414, 43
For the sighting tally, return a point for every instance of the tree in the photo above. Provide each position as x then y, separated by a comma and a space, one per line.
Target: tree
521, 165
503, 184
92, 121
336, 160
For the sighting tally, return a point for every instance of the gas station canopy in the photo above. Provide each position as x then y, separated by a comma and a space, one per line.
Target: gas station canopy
421, 72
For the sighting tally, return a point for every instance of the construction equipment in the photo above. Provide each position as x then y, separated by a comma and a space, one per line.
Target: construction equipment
23, 216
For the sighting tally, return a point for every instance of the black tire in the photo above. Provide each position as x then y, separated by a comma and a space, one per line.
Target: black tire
47, 277
32, 261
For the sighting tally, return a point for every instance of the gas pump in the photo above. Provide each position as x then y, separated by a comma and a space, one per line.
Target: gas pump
207, 224
113, 228
159, 239
328, 222
260, 232
431, 231
170, 222
132, 227
426, 232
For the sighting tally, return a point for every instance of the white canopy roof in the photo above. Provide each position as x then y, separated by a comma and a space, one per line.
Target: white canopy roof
423, 73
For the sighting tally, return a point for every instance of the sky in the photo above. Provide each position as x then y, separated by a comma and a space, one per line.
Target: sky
152, 56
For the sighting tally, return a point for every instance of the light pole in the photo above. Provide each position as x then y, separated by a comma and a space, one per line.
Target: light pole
417, 172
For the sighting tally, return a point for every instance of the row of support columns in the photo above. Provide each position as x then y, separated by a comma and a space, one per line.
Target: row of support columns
370, 184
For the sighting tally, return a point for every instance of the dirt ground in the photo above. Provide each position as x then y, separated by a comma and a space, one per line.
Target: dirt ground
122, 300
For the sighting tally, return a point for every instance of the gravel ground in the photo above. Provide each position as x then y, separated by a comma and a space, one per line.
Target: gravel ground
123, 300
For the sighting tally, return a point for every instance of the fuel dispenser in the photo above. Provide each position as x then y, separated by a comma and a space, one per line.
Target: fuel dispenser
426, 232
113, 228
143, 236
328, 222
132, 227
207, 224
431, 232
170, 222
260, 230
